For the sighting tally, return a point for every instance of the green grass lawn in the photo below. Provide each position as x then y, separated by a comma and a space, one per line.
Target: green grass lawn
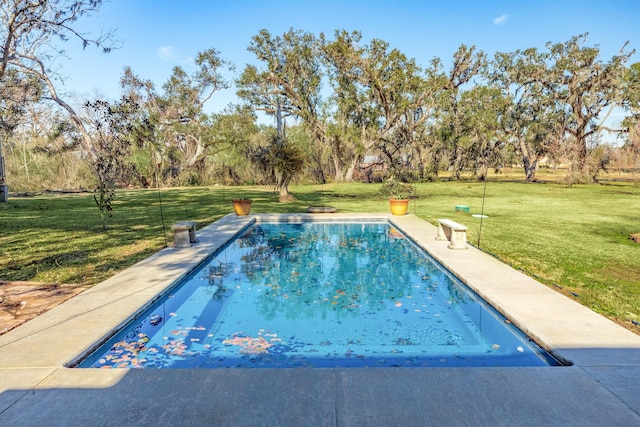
573, 239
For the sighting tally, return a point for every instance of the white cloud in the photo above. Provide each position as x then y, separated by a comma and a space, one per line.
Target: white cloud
501, 19
170, 54
167, 53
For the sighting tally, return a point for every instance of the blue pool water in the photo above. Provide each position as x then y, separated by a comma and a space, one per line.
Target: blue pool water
322, 295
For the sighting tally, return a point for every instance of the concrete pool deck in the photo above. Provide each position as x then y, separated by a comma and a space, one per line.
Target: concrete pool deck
601, 387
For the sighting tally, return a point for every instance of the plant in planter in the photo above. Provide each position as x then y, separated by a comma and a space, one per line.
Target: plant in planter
399, 194
242, 206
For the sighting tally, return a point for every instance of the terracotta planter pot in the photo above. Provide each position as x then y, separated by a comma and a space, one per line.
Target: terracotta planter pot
242, 206
399, 206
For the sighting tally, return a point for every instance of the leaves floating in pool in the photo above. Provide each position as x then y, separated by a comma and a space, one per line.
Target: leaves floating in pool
249, 345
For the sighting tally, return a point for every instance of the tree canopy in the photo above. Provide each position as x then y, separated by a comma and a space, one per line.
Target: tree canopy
344, 108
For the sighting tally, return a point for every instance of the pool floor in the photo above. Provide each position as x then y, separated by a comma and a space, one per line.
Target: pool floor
319, 295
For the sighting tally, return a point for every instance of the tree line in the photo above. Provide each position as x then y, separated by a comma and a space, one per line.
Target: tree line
333, 99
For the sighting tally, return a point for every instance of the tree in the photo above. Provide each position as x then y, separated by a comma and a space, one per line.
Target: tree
484, 107
285, 161
449, 129
174, 126
16, 93
533, 121
110, 127
39, 151
382, 99
631, 123
631, 101
588, 89
395, 89
631, 89
344, 137
28, 34
288, 85
235, 136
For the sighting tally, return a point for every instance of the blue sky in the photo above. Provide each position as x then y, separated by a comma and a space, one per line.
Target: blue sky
157, 35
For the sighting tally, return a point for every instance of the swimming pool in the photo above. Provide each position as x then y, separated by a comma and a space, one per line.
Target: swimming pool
322, 295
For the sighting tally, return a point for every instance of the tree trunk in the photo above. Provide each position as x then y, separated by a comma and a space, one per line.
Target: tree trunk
338, 165
481, 171
284, 195
197, 155
348, 177
530, 168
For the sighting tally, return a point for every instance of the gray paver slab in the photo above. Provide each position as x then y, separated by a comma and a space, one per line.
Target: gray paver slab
15, 383
624, 382
477, 397
182, 397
